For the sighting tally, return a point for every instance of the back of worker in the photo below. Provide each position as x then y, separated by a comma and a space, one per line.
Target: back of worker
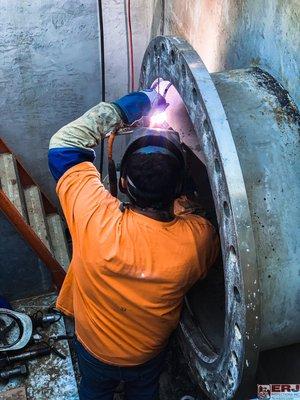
129, 272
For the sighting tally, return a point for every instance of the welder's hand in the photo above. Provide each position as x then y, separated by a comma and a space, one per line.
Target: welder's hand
158, 102
140, 104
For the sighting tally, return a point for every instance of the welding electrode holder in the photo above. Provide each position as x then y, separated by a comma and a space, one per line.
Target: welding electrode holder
112, 172
39, 319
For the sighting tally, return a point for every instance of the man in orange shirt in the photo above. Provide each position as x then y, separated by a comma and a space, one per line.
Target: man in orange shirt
132, 263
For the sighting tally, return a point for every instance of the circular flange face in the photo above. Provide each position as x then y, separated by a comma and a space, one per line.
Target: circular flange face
219, 374
16, 330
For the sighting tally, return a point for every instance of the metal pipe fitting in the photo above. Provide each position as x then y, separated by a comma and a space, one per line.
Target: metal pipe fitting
245, 128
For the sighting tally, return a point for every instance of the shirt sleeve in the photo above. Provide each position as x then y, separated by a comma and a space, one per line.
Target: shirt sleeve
84, 198
74, 143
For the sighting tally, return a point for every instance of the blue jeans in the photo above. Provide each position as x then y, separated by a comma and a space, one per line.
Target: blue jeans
99, 380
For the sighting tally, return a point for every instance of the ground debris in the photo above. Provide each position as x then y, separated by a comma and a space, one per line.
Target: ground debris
14, 394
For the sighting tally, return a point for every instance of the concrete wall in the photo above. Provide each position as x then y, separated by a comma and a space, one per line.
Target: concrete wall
50, 68
116, 54
49, 74
231, 34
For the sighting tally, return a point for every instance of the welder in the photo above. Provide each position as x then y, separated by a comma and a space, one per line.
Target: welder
132, 263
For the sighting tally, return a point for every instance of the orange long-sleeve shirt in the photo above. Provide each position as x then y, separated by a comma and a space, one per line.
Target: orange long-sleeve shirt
129, 273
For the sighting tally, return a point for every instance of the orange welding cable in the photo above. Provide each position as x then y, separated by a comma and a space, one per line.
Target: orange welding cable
110, 145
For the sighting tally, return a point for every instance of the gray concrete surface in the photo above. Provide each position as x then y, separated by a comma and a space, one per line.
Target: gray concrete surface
231, 34
49, 75
50, 68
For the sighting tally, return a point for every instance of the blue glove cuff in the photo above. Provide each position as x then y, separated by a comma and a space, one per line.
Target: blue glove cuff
133, 106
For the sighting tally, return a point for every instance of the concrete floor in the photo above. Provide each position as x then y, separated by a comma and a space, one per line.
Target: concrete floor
50, 377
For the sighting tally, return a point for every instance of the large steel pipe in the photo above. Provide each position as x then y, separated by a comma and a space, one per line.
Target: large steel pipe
245, 129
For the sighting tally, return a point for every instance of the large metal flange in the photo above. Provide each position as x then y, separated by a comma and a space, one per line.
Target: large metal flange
221, 373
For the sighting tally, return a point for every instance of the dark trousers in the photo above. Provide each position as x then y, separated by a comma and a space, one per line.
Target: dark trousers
99, 380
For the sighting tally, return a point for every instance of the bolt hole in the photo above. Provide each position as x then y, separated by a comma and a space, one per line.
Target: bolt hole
173, 56
195, 95
163, 47
226, 209
237, 332
234, 358
206, 125
230, 378
232, 250
183, 70
217, 165
236, 293
144, 68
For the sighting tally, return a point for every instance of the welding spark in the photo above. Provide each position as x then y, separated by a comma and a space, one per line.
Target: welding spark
158, 118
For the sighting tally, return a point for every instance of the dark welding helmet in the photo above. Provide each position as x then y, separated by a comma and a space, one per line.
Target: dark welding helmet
152, 141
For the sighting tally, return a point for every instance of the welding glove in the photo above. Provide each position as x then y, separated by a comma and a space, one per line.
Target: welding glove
136, 105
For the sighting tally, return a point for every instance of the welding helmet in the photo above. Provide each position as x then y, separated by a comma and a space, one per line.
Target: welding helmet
152, 141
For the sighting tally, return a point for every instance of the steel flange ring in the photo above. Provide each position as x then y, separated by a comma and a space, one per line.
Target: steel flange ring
221, 373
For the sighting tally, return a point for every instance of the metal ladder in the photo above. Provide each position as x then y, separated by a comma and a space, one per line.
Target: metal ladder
33, 215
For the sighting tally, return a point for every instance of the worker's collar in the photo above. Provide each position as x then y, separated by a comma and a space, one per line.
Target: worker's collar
158, 215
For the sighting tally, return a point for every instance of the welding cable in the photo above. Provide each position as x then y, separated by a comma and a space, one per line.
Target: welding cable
166, 89
155, 84
101, 26
163, 12
129, 45
112, 172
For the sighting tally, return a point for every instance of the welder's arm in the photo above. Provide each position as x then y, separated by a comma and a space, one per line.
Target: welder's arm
73, 143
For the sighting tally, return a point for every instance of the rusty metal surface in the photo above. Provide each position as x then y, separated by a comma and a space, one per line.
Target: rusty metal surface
223, 137
50, 378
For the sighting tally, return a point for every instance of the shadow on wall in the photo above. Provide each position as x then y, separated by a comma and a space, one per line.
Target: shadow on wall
230, 34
